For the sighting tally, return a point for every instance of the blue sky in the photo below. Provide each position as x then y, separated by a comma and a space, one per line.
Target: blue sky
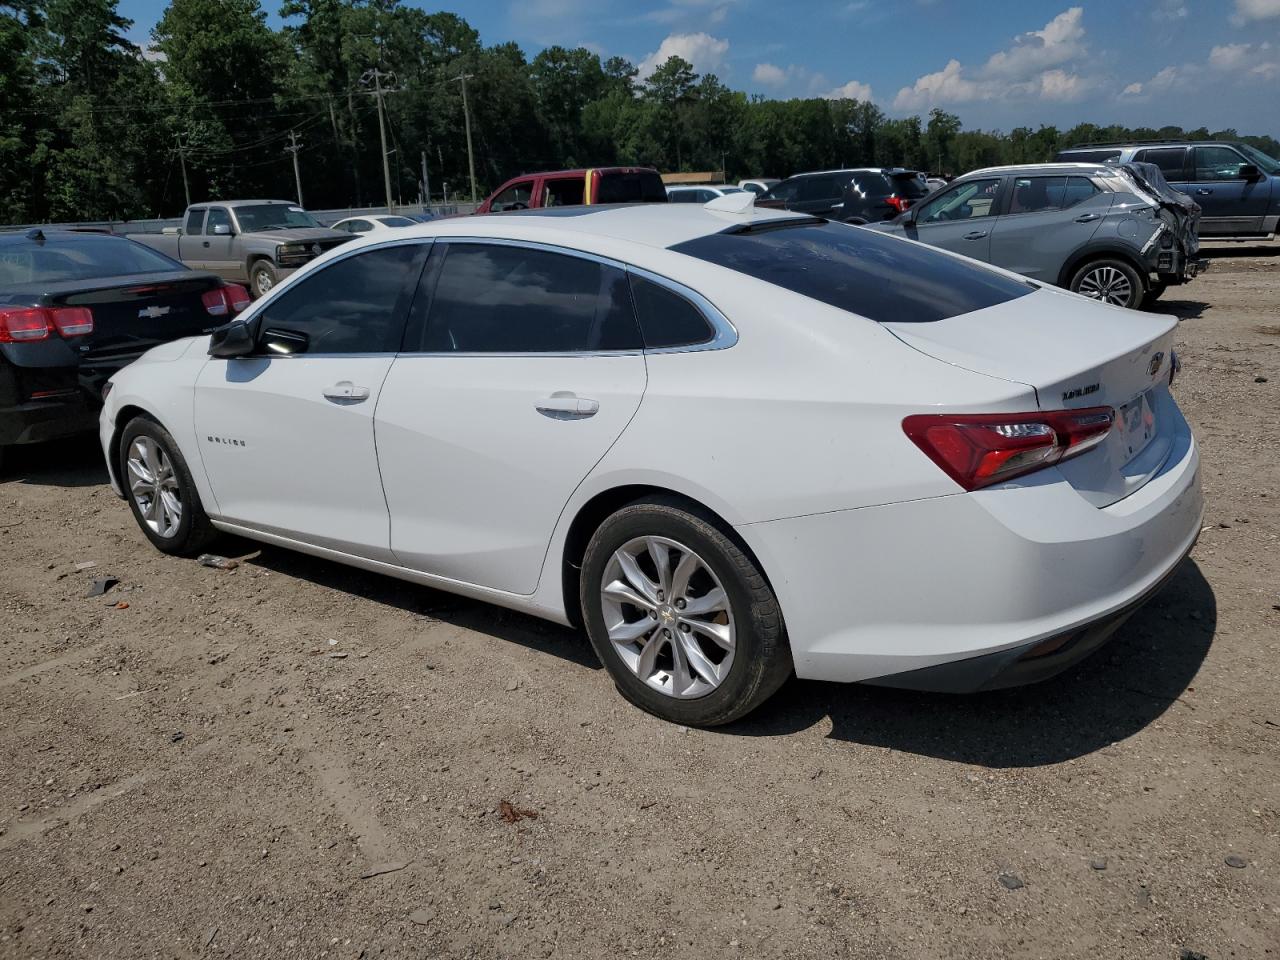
997, 63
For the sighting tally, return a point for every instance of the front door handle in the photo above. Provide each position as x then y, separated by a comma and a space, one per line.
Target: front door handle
204, 243
976, 235
344, 391
1088, 217
1204, 191
567, 406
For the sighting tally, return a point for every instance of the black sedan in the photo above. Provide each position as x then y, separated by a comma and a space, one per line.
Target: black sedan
74, 309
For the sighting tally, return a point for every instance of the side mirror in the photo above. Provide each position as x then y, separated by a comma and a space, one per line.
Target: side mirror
1249, 171
222, 229
234, 339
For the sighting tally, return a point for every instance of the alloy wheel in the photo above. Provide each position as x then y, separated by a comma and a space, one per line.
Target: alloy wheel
1108, 285
668, 617
154, 486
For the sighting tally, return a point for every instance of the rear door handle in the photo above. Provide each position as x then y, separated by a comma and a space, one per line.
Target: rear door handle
976, 235
204, 243
567, 406
1087, 217
1204, 191
344, 391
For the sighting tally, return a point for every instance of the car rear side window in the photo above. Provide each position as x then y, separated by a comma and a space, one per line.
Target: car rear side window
859, 270
825, 187
352, 305
1079, 189
666, 318
498, 298
564, 193
1170, 160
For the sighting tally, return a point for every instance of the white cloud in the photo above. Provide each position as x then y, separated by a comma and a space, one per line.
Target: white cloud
1170, 10
1260, 60
1248, 10
704, 51
1037, 66
1170, 78
769, 75
853, 90
1132, 90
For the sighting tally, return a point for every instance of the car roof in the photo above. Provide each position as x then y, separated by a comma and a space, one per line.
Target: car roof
817, 173
242, 203
1149, 144
1101, 169
16, 237
656, 225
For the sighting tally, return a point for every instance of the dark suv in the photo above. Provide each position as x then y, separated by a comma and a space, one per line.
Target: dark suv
1236, 185
863, 195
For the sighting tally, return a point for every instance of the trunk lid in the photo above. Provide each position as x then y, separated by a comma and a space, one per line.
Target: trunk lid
133, 314
1075, 353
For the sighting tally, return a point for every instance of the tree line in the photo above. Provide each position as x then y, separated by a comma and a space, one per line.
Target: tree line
93, 126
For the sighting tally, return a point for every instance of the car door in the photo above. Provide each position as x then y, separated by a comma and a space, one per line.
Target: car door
522, 365
286, 434
191, 248
1046, 221
1232, 205
819, 194
959, 218
218, 245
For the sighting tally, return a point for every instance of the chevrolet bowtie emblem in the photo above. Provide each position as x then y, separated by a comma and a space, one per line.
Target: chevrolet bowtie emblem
151, 313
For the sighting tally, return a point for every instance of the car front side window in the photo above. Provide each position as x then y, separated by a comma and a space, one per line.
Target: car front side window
513, 299
350, 306
1218, 163
515, 197
974, 198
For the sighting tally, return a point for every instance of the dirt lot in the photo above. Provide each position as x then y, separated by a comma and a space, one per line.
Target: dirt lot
215, 769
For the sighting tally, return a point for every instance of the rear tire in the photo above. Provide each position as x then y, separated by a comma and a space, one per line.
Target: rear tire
262, 278
722, 647
1154, 291
1109, 281
160, 491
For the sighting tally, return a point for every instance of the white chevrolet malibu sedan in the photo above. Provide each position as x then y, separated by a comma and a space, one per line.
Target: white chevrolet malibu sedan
733, 444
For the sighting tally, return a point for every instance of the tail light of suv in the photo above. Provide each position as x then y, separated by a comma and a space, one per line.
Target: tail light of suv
978, 450
898, 203
28, 324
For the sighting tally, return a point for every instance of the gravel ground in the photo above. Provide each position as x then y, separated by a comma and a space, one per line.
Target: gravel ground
296, 759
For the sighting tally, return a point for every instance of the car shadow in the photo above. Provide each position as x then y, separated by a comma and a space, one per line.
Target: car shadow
1182, 309
1241, 250
70, 462
497, 622
1145, 670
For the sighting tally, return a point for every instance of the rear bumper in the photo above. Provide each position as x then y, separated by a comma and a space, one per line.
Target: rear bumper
969, 583
52, 419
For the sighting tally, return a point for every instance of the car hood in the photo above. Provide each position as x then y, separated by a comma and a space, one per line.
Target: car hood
300, 234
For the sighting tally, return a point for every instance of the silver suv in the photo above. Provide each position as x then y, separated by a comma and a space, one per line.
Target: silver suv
1107, 232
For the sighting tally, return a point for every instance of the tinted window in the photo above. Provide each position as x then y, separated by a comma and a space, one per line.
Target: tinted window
1169, 160
1079, 189
1032, 194
643, 186
1088, 156
359, 226
508, 299
826, 187
350, 306
856, 269
218, 217
79, 258
683, 196
194, 223
395, 221
1218, 163
785, 191
666, 318
909, 185
965, 201
564, 193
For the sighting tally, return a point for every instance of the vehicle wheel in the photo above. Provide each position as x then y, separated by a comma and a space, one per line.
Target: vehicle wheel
262, 278
1155, 290
681, 617
1111, 281
161, 493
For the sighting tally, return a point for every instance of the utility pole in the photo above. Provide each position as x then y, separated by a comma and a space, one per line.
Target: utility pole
466, 116
426, 180
379, 92
182, 158
293, 148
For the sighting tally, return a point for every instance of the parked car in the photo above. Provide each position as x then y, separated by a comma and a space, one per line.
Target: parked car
936, 490
760, 185
1092, 228
256, 242
381, 221
866, 195
570, 188
76, 307
1238, 186
700, 193
935, 183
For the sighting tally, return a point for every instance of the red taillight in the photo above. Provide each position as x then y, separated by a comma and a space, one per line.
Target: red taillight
221, 301
27, 324
898, 203
977, 450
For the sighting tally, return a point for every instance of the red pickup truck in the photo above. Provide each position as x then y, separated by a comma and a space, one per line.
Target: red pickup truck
566, 188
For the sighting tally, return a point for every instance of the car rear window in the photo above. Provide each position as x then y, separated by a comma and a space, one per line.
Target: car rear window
81, 258
859, 270
641, 186
907, 184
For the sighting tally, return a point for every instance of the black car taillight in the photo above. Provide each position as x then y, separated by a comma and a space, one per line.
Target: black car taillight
28, 324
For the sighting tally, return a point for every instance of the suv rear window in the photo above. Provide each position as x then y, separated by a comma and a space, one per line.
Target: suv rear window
643, 186
859, 270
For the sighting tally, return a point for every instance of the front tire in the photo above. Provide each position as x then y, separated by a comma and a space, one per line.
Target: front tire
681, 617
1110, 281
262, 278
160, 490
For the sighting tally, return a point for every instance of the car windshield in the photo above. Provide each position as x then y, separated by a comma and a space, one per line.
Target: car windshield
883, 278
273, 216
77, 258
1260, 160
